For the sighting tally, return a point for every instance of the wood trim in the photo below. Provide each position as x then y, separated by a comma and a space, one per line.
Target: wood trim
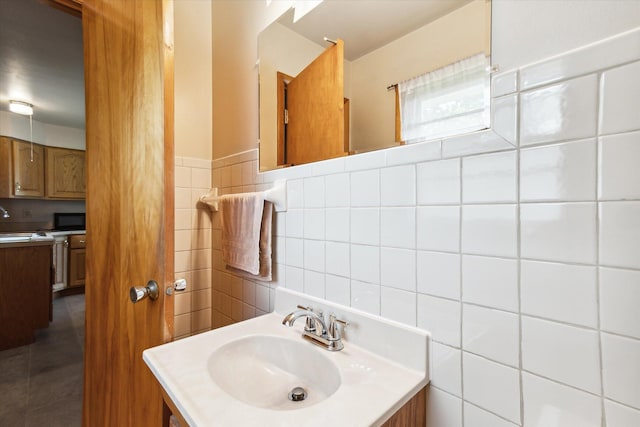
281, 84
347, 122
398, 117
412, 414
72, 7
169, 166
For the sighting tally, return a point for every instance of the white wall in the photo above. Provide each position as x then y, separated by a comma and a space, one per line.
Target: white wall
17, 126
522, 263
192, 78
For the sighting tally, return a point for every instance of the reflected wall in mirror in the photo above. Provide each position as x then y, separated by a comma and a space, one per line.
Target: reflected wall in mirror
385, 42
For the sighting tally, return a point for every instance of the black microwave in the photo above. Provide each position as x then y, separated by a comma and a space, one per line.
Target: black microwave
69, 221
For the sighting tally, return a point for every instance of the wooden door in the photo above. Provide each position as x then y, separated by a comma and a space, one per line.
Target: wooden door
28, 169
315, 103
128, 57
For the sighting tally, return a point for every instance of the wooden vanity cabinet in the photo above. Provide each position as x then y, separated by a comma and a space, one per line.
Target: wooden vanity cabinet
65, 173
77, 259
21, 174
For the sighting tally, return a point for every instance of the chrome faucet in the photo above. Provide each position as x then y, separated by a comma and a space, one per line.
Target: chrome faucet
327, 338
5, 214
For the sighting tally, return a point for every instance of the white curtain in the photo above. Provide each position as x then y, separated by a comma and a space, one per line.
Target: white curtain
450, 100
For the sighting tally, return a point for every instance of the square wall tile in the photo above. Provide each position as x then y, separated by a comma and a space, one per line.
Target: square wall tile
438, 228
547, 403
621, 370
619, 174
438, 274
491, 333
505, 118
439, 182
314, 192
504, 83
337, 258
491, 282
314, 255
365, 226
365, 263
620, 301
398, 305
562, 172
560, 352
337, 190
182, 177
294, 278
314, 225
314, 283
490, 178
294, 223
200, 178
476, 417
295, 194
365, 297
365, 188
559, 112
620, 99
398, 186
446, 368
491, 386
563, 292
441, 317
295, 252
490, 230
338, 289
398, 268
398, 227
559, 232
443, 409
337, 224
620, 234
620, 416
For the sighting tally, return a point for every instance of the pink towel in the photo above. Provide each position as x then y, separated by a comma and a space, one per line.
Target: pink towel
246, 234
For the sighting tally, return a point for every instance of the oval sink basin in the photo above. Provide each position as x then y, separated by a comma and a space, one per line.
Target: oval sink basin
262, 370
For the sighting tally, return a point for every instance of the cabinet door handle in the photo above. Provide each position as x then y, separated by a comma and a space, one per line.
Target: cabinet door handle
81, 241
18, 187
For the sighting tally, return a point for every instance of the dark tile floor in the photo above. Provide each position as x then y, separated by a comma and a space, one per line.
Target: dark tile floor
41, 383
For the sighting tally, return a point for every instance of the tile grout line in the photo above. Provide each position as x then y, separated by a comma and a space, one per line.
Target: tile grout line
599, 112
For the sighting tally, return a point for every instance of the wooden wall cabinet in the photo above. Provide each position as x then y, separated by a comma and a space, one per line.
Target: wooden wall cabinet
77, 259
24, 177
22, 171
65, 172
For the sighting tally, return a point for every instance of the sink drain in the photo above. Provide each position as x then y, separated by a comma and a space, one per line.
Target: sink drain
297, 394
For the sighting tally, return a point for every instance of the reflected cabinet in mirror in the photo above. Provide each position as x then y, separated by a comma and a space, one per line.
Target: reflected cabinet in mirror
352, 76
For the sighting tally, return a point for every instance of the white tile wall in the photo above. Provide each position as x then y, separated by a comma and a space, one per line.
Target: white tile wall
523, 263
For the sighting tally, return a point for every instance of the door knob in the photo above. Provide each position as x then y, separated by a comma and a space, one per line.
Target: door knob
138, 293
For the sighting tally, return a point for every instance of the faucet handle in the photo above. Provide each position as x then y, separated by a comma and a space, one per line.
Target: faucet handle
334, 328
310, 324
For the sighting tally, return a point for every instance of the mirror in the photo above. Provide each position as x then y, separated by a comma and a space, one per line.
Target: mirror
385, 42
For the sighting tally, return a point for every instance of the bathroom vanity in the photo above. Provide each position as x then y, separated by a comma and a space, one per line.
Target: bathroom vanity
261, 372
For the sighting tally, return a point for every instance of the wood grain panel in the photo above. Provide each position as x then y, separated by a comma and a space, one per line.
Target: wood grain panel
315, 102
65, 173
412, 414
28, 171
6, 170
129, 204
25, 292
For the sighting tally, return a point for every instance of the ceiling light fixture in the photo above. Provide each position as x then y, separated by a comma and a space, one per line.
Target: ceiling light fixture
21, 107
